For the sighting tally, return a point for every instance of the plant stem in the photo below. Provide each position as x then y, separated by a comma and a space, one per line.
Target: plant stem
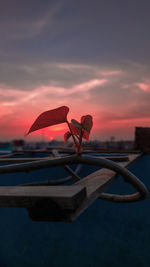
80, 141
75, 142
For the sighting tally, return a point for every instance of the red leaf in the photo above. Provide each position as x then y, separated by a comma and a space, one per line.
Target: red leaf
76, 131
87, 122
76, 123
66, 136
49, 118
86, 135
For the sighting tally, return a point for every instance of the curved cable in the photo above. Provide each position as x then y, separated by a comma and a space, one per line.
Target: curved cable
76, 159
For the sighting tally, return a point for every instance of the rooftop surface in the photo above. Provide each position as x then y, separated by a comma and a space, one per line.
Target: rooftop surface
120, 231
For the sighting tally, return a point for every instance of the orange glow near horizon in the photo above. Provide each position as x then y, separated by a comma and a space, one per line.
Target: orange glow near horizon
59, 127
102, 129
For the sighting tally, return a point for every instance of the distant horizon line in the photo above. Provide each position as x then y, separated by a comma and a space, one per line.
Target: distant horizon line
61, 140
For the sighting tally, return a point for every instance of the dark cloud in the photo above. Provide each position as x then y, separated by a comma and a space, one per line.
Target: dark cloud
34, 34
50, 51
31, 76
75, 31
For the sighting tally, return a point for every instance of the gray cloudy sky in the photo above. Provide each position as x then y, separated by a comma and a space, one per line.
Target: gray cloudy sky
90, 55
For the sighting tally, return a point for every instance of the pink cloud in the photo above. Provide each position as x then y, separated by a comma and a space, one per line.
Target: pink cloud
116, 105
111, 73
144, 86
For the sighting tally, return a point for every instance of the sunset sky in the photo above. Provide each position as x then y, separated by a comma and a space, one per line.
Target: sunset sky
92, 56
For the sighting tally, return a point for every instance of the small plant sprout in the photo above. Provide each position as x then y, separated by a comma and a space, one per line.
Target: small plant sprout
78, 130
